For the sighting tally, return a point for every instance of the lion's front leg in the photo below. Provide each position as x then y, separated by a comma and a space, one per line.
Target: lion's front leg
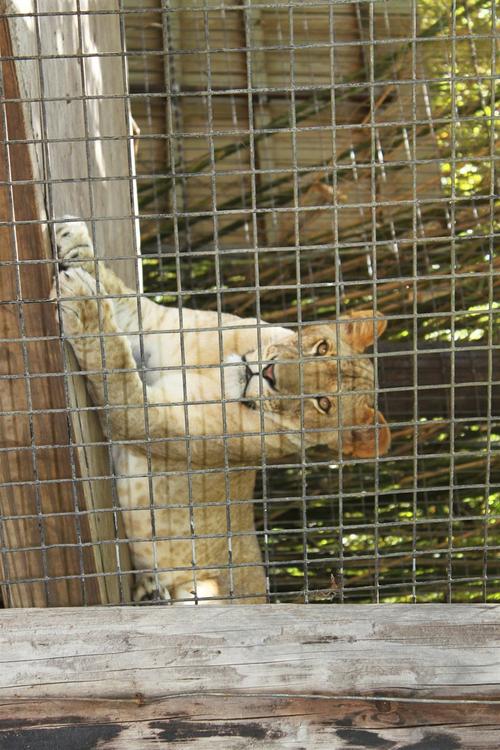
88, 323
103, 353
129, 409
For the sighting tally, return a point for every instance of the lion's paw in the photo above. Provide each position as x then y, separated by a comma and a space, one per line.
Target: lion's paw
73, 241
148, 588
77, 300
76, 282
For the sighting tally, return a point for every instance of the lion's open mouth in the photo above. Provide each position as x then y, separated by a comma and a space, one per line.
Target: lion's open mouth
267, 374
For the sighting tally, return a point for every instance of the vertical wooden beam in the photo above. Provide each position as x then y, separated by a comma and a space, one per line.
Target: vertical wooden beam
410, 137
37, 461
65, 147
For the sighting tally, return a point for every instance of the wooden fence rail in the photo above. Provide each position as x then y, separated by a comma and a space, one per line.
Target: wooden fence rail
394, 677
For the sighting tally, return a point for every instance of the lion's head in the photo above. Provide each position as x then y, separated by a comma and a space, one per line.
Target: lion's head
320, 385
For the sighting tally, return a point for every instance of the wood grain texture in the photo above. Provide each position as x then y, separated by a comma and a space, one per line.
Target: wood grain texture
408, 677
37, 460
81, 128
65, 146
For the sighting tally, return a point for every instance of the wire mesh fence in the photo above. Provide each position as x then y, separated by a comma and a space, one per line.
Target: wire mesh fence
281, 238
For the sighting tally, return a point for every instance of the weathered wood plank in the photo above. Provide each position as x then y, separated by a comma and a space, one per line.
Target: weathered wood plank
389, 676
250, 722
427, 650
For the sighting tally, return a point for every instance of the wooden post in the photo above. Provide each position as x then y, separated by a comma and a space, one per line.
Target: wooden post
433, 384
65, 149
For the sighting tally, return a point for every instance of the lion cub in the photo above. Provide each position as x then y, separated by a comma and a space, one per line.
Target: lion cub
189, 433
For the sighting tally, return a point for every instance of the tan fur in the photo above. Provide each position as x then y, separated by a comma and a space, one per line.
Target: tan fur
194, 496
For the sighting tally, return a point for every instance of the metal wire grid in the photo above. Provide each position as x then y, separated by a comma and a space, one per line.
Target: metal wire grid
299, 515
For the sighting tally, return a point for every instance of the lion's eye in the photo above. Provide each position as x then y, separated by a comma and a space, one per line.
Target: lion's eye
324, 404
321, 349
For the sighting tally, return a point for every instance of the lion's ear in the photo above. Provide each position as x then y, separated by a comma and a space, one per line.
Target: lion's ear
361, 328
373, 437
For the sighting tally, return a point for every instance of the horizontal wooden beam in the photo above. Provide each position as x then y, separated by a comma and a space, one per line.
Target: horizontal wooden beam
275, 676
438, 380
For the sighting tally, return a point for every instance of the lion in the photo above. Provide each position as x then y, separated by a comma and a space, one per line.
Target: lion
194, 404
